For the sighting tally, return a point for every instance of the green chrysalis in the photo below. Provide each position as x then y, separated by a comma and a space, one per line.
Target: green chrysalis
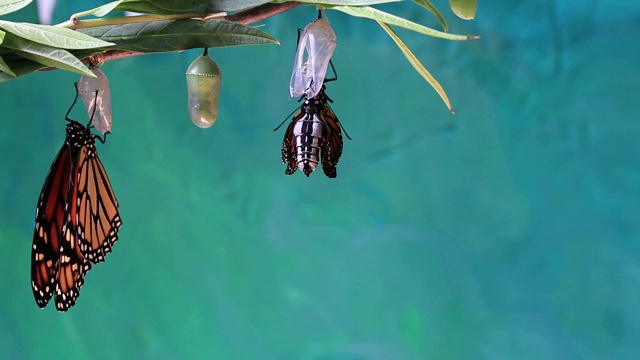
203, 84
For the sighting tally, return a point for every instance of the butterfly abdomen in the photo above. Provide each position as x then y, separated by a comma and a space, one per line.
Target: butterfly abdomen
310, 134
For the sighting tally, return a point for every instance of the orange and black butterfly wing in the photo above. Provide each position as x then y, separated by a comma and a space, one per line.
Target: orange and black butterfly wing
50, 218
332, 147
289, 145
95, 211
72, 265
71, 270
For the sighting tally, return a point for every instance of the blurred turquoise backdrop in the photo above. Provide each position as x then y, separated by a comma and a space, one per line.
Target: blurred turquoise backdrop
507, 231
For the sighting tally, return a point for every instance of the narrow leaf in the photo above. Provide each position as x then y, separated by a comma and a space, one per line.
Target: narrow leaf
169, 7
9, 6
144, 7
177, 35
20, 68
101, 11
46, 55
58, 37
378, 15
5, 68
464, 9
413, 60
343, 2
429, 6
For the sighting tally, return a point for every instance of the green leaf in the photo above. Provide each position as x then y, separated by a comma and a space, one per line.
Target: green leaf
100, 11
378, 15
169, 7
342, 2
429, 6
20, 67
2, 33
5, 68
177, 35
58, 37
413, 60
46, 55
464, 9
9, 6
85, 53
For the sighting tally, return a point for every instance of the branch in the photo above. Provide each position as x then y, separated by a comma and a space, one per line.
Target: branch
74, 23
246, 17
261, 12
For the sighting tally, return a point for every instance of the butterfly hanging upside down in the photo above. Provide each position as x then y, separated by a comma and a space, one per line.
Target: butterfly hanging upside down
313, 136
77, 218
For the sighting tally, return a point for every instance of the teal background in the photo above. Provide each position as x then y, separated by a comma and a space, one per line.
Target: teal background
507, 231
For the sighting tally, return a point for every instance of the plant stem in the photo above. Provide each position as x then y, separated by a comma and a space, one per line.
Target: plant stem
246, 17
74, 23
261, 12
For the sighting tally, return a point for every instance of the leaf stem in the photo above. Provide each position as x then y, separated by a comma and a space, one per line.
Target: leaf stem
74, 23
261, 12
246, 17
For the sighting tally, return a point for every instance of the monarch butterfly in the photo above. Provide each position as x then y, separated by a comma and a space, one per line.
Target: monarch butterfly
313, 136
77, 218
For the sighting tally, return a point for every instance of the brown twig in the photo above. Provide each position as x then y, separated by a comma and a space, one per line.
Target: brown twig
245, 17
260, 12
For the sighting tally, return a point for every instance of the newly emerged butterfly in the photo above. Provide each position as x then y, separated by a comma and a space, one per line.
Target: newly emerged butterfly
77, 219
316, 44
313, 136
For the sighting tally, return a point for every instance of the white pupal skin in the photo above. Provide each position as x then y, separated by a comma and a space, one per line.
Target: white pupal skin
204, 80
315, 48
96, 96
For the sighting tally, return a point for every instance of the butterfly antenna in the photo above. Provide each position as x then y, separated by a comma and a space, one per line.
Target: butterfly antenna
287, 118
339, 123
345, 131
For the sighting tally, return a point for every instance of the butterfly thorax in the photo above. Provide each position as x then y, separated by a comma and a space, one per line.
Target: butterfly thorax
316, 104
78, 136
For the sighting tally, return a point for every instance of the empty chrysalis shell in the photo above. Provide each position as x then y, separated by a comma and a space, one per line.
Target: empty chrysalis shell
315, 48
96, 96
203, 83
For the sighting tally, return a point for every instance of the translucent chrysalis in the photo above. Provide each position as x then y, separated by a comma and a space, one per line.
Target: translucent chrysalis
203, 84
101, 101
315, 48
